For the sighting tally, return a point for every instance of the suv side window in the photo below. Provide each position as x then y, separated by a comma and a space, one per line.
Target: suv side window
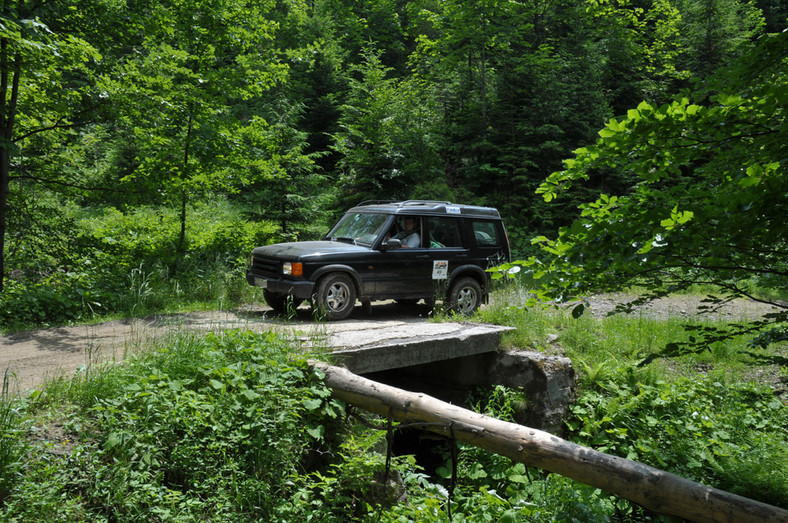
486, 234
443, 232
399, 227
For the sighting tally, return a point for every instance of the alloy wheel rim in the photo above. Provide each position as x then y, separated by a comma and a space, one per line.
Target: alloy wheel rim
337, 296
466, 300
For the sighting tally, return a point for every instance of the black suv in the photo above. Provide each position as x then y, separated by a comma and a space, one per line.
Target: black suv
381, 250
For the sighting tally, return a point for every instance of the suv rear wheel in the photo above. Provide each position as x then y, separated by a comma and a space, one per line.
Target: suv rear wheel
465, 296
335, 297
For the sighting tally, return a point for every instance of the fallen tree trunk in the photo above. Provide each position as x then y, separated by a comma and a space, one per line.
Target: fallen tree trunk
652, 488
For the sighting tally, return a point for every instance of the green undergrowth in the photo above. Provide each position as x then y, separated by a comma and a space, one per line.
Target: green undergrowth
729, 436
235, 427
214, 428
130, 264
601, 345
719, 416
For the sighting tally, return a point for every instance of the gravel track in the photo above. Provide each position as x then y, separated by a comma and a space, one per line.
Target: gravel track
32, 357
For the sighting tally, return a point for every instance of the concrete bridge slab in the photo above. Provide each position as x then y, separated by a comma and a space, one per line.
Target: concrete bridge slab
366, 349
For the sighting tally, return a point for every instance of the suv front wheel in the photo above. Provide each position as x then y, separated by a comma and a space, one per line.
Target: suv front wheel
465, 296
280, 303
276, 301
335, 297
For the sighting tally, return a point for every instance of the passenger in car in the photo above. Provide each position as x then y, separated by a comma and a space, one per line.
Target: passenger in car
409, 236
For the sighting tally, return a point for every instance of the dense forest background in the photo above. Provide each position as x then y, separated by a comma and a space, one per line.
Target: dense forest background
141, 138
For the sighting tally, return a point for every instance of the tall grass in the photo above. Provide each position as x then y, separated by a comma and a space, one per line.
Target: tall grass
714, 416
126, 264
600, 344
12, 445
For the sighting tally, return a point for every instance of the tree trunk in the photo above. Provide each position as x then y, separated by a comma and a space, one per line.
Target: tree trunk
181, 248
7, 115
284, 215
652, 488
5, 177
483, 75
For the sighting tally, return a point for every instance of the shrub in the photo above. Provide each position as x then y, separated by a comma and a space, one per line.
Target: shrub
59, 298
215, 426
126, 264
730, 436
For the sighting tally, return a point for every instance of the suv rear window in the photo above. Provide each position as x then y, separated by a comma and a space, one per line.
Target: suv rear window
443, 232
486, 234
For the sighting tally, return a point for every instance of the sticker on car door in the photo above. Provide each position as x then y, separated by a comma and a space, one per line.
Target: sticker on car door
440, 269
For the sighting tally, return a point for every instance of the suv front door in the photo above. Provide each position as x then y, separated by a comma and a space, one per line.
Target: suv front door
418, 272
400, 272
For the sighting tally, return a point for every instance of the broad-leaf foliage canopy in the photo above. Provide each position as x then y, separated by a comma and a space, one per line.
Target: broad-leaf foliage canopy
707, 201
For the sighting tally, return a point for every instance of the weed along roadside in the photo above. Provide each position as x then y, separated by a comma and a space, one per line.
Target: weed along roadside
651, 488
225, 416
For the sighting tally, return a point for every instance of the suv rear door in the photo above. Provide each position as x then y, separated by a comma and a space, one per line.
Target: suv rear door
490, 246
448, 248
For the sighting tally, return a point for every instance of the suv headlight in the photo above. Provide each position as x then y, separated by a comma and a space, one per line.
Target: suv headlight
292, 269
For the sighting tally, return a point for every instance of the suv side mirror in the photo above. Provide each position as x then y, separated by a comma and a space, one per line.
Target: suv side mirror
392, 244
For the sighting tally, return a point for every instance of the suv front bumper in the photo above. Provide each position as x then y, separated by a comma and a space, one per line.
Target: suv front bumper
296, 289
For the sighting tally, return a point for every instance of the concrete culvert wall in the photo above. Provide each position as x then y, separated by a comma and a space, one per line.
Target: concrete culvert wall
548, 382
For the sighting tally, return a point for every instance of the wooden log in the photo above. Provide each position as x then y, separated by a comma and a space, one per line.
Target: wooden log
649, 487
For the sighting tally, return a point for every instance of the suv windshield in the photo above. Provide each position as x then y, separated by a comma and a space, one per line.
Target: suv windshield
361, 228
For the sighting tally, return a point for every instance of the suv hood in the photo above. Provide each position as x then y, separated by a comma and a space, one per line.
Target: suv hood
295, 250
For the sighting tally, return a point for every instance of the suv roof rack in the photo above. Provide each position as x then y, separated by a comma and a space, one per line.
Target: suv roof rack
428, 206
403, 203
423, 202
375, 202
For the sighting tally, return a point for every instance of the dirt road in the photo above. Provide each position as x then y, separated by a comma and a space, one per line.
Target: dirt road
32, 357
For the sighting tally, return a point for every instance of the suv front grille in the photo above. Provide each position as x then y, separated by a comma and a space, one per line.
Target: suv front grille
265, 267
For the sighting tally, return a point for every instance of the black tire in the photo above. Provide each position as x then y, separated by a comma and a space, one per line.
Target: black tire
335, 297
465, 296
407, 303
429, 304
281, 302
276, 301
